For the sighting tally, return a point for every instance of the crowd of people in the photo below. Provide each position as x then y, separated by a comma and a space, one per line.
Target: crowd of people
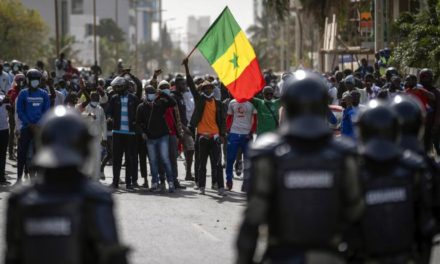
159, 121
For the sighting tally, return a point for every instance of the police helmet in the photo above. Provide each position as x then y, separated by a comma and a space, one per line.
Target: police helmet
379, 130
63, 140
411, 115
305, 99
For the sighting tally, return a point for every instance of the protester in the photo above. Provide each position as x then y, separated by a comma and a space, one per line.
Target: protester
209, 119
267, 111
151, 122
32, 103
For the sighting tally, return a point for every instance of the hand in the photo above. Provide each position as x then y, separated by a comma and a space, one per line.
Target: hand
185, 62
157, 72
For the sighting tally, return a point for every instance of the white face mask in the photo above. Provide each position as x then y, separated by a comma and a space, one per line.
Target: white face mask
15, 68
208, 96
167, 91
93, 104
35, 83
151, 97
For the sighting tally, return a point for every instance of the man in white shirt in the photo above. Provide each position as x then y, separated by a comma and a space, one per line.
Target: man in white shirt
94, 113
241, 123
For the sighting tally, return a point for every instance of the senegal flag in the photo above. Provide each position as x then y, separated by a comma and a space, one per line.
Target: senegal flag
226, 47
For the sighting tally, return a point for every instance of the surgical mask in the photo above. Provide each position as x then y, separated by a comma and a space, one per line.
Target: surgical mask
151, 97
166, 91
93, 104
15, 68
35, 83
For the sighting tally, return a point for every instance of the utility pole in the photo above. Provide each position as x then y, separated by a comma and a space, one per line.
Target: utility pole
117, 24
378, 25
95, 49
57, 34
136, 37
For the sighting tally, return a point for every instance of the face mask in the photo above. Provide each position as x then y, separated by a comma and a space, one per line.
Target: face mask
93, 104
35, 83
15, 68
151, 97
166, 91
208, 96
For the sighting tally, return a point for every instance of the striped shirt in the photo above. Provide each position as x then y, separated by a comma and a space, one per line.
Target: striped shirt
124, 129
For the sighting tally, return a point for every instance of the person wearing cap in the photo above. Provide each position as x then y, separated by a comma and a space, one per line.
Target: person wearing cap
63, 217
150, 121
122, 112
267, 111
209, 121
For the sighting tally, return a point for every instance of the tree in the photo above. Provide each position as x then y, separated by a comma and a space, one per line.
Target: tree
109, 29
22, 32
418, 39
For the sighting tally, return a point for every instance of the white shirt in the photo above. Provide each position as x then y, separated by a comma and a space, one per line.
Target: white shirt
241, 117
96, 118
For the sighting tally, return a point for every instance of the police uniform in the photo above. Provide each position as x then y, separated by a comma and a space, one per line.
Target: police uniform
398, 217
303, 183
63, 217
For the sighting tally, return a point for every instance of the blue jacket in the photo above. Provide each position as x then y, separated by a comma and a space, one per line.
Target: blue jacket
31, 106
347, 124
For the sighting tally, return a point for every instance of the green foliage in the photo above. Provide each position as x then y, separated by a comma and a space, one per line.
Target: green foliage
111, 52
418, 39
109, 29
22, 32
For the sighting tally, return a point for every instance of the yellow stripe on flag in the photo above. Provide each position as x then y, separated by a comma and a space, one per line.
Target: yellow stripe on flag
235, 60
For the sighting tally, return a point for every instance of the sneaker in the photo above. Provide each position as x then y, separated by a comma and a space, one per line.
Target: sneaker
136, 185
129, 187
202, 190
214, 186
171, 187
189, 177
162, 187
145, 185
177, 185
221, 192
154, 187
229, 185
238, 168
196, 187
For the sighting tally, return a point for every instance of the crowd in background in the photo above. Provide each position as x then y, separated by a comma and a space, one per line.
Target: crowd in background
180, 116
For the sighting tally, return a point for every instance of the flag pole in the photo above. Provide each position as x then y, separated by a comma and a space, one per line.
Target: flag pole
213, 24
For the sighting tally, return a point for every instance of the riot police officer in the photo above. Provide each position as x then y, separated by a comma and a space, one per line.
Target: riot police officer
397, 217
63, 217
412, 115
303, 183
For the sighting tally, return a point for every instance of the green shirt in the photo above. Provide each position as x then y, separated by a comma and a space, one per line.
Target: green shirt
265, 119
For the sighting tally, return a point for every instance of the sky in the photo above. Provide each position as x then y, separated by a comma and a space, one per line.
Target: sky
177, 12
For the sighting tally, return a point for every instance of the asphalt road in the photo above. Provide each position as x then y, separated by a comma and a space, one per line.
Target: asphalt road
183, 227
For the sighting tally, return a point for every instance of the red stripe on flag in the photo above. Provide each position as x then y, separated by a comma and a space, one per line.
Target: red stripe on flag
248, 84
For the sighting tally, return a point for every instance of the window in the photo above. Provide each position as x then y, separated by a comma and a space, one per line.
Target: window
89, 30
77, 7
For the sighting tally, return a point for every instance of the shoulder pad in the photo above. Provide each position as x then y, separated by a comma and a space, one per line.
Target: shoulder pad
346, 145
412, 160
97, 192
265, 144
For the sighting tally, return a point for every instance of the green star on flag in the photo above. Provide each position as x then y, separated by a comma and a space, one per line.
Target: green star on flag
234, 61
